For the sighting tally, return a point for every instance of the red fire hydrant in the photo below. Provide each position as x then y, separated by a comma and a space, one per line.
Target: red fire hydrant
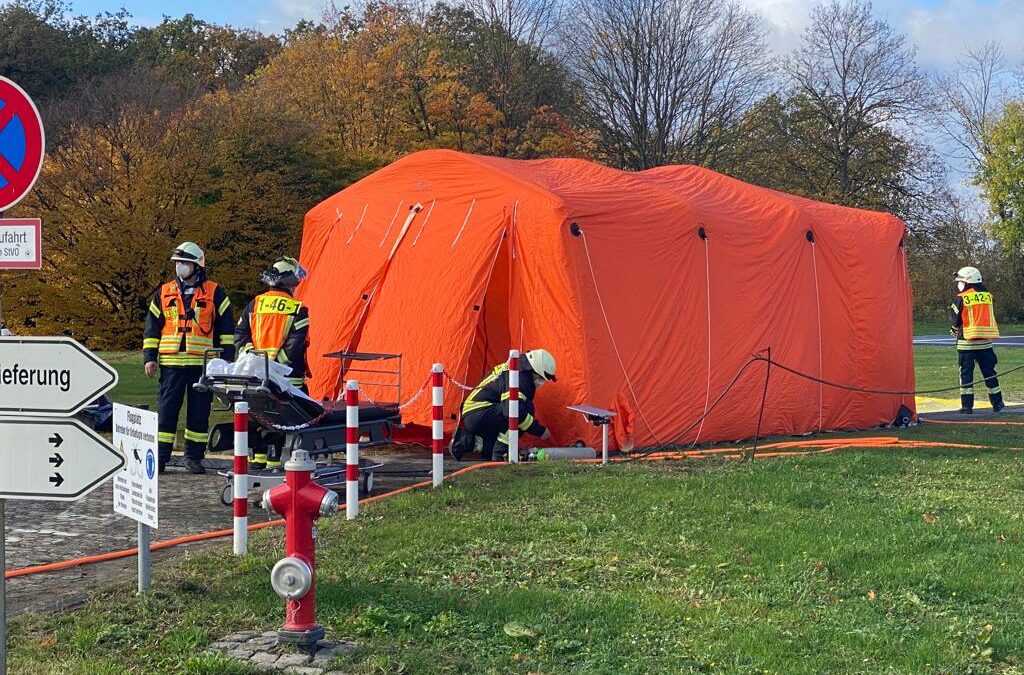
300, 501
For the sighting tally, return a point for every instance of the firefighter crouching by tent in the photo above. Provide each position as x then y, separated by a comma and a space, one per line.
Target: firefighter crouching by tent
973, 320
485, 410
277, 323
187, 316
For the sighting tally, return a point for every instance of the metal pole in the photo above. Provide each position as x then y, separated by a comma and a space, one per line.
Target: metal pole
351, 449
145, 558
3, 591
437, 423
240, 481
604, 442
513, 406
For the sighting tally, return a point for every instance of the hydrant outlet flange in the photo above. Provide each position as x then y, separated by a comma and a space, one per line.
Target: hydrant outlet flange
291, 578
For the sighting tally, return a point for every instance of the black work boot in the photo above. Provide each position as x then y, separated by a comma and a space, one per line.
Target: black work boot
966, 404
194, 466
997, 402
461, 443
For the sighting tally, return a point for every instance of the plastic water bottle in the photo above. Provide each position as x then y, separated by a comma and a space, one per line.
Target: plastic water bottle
549, 454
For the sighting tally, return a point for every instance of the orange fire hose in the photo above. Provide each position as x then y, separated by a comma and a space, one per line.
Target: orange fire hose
215, 534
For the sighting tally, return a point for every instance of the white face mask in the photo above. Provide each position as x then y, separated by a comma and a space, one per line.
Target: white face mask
960, 286
184, 270
538, 381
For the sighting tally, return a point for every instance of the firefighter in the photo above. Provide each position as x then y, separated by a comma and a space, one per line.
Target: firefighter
279, 324
187, 316
973, 320
485, 410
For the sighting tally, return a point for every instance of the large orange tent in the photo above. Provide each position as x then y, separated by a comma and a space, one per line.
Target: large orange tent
652, 289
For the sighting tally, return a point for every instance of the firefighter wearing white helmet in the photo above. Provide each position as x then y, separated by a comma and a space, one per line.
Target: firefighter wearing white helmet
485, 410
973, 323
277, 323
187, 316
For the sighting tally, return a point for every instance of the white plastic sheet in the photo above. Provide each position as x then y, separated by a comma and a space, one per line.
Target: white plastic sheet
254, 365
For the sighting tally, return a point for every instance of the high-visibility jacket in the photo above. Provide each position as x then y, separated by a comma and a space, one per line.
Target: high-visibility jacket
184, 322
493, 391
277, 323
973, 315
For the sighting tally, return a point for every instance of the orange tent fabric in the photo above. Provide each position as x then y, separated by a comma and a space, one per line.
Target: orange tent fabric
490, 261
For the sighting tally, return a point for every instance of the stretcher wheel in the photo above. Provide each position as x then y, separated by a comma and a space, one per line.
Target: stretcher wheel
221, 437
227, 496
366, 484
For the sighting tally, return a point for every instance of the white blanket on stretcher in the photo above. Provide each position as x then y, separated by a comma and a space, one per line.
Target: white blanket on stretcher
254, 365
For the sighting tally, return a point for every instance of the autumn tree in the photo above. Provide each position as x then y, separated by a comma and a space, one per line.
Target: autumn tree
855, 86
1001, 174
665, 81
197, 54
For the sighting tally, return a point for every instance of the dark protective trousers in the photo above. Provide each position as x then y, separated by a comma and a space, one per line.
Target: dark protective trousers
175, 386
986, 360
488, 423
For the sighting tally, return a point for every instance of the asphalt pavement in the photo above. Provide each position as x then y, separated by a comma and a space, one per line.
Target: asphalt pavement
950, 341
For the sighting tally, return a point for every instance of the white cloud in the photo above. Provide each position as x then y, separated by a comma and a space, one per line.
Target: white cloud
942, 30
287, 13
785, 21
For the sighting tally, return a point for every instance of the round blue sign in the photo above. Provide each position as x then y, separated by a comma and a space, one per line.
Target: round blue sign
150, 464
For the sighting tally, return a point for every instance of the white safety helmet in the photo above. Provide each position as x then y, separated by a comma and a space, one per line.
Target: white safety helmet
285, 272
969, 275
189, 252
542, 363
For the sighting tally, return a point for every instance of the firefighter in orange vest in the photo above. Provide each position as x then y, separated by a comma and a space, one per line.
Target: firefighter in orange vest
277, 323
973, 320
187, 316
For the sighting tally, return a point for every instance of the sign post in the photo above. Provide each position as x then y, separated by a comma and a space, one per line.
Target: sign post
3, 590
48, 455
136, 487
22, 149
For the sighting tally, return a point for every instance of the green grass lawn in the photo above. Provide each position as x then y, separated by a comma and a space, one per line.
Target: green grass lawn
869, 561
133, 387
858, 562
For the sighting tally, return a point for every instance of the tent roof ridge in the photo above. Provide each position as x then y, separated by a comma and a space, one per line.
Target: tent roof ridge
495, 168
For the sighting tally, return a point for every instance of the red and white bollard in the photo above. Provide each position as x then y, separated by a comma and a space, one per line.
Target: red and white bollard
240, 482
513, 406
352, 449
300, 501
437, 422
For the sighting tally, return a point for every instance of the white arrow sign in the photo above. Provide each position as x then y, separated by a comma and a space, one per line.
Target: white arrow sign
50, 376
53, 459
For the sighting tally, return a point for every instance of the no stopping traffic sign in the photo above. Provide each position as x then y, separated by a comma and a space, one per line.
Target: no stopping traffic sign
21, 143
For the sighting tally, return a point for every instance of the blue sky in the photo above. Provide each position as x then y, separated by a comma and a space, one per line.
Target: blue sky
940, 28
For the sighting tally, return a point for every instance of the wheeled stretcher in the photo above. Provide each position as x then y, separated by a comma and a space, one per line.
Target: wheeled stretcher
281, 422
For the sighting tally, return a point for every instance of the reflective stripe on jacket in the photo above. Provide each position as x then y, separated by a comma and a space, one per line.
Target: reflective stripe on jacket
181, 326
493, 390
277, 323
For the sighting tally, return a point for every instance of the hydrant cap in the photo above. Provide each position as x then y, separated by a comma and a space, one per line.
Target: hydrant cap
329, 504
291, 578
300, 461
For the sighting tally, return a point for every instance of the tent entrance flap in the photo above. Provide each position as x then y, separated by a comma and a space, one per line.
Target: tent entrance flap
381, 278
492, 337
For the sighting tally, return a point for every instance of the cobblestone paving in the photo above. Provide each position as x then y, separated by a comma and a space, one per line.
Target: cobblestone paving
40, 532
